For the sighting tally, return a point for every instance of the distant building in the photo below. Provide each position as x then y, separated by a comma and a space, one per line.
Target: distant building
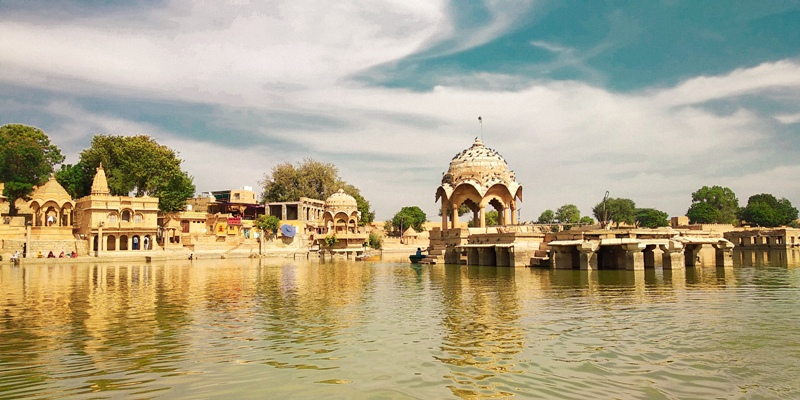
240, 203
764, 238
304, 214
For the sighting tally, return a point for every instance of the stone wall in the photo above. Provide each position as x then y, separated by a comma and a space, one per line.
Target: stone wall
9, 246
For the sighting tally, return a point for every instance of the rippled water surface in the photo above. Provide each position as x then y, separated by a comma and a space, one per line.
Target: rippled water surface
250, 329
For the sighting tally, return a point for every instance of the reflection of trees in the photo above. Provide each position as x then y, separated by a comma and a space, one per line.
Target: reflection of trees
482, 328
305, 310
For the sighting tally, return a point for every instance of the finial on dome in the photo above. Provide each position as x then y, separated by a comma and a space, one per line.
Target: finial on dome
478, 143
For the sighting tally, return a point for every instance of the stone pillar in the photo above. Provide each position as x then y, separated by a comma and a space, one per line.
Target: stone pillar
724, 253
502, 256
507, 216
588, 255
561, 257
482, 217
650, 256
513, 213
283, 212
28, 252
454, 216
100, 240
472, 256
444, 214
634, 258
486, 256
673, 257
691, 253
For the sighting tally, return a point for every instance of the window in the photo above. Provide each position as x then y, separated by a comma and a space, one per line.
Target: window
112, 218
126, 216
137, 219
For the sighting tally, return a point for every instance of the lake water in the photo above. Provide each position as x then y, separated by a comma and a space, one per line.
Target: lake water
341, 330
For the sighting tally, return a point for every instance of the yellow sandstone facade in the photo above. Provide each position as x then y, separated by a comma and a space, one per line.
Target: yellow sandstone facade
116, 223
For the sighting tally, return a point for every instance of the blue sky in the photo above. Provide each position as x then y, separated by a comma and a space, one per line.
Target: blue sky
648, 100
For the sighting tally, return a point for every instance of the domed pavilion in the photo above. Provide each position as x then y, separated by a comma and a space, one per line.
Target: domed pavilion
341, 213
479, 177
52, 206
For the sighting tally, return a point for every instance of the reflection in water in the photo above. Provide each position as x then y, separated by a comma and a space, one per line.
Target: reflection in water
482, 331
244, 328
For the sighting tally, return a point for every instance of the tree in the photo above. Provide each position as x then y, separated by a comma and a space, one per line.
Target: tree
616, 210
586, 220
568, 213
26, 160
721, 199
374, 241
462, 209
765, 210
409, 216
267, 223
312, 179
651, 218
140, 165
367, 215
702, 213
546, 217
492, 218
309, 178
76, 179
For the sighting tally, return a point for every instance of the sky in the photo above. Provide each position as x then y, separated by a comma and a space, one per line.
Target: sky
648, 100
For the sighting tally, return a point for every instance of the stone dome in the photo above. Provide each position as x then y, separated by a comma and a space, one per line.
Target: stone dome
341, 201
479, 164
51, 191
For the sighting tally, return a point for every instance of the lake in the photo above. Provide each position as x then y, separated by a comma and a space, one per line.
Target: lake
383, 330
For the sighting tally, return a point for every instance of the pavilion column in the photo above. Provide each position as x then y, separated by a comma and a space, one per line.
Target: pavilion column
588, 255
483, 217
453, 210
650, 256
724, 253
283, 212
634, 258
507, 216
99, 240
513, 213
672, 256
444, 214
691, 253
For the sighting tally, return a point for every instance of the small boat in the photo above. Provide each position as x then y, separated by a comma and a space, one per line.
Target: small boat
415, 259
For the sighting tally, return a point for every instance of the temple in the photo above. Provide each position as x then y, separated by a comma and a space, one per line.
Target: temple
116, 223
